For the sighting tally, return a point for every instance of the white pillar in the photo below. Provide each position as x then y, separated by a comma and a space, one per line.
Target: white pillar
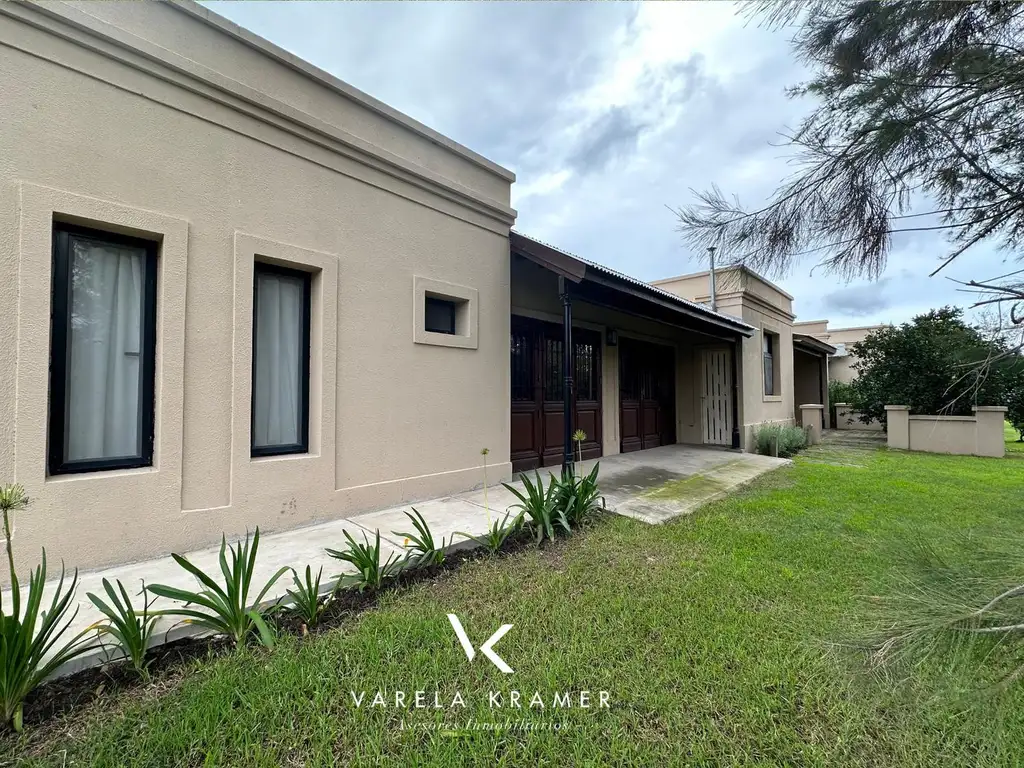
811, 417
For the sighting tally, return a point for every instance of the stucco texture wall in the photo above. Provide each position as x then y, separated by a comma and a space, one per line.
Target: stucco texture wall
91, 140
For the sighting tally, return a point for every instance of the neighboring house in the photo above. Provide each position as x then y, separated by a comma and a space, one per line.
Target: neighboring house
248, 294
781, 369
840, 365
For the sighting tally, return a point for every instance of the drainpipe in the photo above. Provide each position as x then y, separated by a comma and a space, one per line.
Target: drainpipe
567, 359
736, 347
711, 257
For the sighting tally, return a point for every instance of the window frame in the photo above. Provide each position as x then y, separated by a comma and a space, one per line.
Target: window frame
452, 308
60, 312
769, 349
302, 446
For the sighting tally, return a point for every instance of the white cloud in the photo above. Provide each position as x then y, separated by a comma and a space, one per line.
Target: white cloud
608, 113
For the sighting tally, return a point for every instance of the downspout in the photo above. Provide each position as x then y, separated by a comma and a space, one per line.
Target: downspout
567, 360
711, 258
736, 347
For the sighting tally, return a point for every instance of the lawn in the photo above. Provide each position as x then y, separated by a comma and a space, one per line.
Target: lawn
1013, 443
722, 639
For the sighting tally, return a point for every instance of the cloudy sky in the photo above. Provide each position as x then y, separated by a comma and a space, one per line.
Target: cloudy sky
608, 113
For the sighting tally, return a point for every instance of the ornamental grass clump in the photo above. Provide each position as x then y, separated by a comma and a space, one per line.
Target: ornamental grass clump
423, 550
130, 629
540, 506
498, 532
29, 640
782, 440
370, 573
305, 596
579, 497
225, 608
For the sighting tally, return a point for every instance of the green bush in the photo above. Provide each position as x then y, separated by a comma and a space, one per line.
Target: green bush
841, 392
782, 440
131, 629
579, 496
224, 609
370, 574
30, 647
539, 506
498, 533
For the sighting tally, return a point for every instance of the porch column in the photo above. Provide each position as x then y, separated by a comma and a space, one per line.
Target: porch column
567, 360
737, 348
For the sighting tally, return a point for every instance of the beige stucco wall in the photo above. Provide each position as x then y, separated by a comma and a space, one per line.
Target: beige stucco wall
979, 435
744, 294
96, 134
850, 419
840, 367
534, 293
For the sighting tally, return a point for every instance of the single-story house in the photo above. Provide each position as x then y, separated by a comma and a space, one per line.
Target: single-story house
243, 293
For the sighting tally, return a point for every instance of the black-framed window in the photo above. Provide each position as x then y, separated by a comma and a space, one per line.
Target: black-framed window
439, 315
103, 351
280, 360
768, 357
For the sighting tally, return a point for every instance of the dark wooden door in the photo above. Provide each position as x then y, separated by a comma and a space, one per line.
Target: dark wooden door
537, 377
646, 395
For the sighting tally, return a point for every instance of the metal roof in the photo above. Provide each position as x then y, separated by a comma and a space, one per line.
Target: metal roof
718, 317
814, 343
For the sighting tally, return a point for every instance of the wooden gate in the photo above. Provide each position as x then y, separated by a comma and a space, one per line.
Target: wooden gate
646, 395
716, 397
537, 378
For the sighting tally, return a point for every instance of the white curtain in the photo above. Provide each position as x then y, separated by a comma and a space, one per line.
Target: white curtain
277, 381
105, 366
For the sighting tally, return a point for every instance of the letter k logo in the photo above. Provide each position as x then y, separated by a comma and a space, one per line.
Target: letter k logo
486, 649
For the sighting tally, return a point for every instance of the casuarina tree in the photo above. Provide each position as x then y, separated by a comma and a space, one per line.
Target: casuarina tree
917, 126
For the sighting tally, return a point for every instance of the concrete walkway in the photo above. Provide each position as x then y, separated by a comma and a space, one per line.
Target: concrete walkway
653, 486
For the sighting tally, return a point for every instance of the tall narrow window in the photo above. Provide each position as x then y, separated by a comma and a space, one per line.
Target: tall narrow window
769, 362
103, 353
280, 361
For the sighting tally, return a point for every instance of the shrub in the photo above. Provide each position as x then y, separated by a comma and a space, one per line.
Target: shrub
423, 550
29, 650
306, 596
841, 392
130, 629
782, 440
498, 533
28, 655
227, 607
540, 506
370, 574
579, 497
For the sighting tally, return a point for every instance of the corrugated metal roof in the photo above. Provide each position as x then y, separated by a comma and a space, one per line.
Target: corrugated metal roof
702, 308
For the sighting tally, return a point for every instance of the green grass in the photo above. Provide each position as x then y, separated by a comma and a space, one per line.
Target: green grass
1013, 443
715, 636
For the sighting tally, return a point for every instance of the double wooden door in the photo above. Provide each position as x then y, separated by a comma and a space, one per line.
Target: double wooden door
537, 377
646, 395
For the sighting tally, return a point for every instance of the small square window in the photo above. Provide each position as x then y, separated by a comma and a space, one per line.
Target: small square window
439, 315
444, 314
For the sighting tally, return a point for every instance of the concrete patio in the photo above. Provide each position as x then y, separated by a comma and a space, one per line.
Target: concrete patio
653, 486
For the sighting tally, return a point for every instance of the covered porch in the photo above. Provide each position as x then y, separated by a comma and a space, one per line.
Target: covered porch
644, 368
810, 377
